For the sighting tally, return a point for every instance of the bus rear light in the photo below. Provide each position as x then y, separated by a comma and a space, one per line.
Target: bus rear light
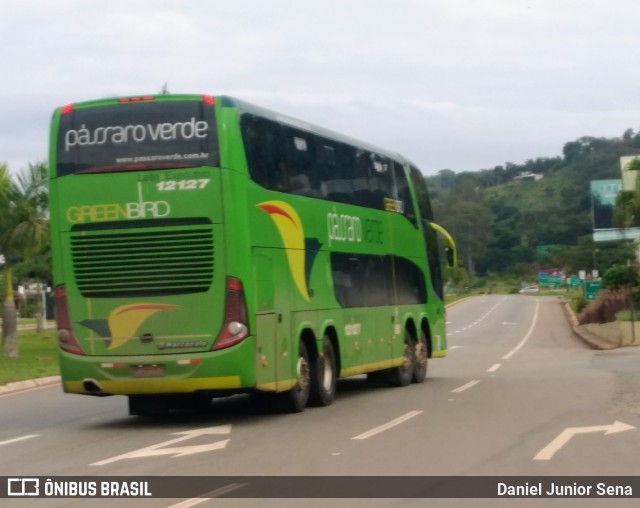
145, 98
190, 361
115, 365
67, 109
208, 99
66, 339
235, 327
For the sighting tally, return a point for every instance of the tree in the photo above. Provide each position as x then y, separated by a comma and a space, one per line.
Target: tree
24, 231
626, 213
469, 221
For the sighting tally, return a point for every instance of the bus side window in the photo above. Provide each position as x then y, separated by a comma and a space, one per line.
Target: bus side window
380, 181
360, 179
297, 154
265, 155
302, 152
253, 137
362, 280
338, 182
402, 194
277, 161
433, 257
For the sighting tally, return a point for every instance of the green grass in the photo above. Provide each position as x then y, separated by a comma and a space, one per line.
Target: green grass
625, 315
453, 297
38, 358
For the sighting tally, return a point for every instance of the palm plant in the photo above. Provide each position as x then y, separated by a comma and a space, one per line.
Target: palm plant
24, 231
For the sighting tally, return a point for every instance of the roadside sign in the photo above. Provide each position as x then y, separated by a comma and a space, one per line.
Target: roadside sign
550, 278
591, 289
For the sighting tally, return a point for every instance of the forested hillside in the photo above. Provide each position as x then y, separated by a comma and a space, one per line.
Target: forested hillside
502, 218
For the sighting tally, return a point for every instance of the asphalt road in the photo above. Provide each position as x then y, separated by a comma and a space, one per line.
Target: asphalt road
519, 395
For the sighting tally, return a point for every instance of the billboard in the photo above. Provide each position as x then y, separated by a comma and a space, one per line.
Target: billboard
603, 200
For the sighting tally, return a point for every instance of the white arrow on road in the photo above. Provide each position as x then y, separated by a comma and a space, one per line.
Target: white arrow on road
549, 451
165, 448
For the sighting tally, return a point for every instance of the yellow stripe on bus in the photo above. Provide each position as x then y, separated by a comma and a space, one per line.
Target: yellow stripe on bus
144, 386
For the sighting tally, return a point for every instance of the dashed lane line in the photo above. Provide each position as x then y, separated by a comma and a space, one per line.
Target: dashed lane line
393, 423
466, 386
18, 439
526, 337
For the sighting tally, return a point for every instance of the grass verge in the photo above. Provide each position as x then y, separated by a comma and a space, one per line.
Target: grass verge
38, 358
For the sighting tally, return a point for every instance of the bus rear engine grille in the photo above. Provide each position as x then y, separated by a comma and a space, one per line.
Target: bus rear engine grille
143, 263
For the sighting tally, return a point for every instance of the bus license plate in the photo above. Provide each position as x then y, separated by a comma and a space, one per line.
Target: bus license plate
148, 371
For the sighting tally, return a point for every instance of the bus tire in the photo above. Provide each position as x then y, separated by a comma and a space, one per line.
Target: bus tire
324, 376
420, 359
295, 400
403, 374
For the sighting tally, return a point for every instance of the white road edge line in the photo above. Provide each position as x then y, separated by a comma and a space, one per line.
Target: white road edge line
464, 387
387, 426
526, 337
214, 493
17, 439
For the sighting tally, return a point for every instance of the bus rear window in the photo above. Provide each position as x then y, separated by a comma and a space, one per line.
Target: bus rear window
137, 136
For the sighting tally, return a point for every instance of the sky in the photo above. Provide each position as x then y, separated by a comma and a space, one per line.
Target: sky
450, 84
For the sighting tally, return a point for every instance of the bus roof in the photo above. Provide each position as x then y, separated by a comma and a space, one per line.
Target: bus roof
247, 107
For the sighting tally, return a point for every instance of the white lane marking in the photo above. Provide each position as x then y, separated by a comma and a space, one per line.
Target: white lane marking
464, 387
18, 439
494, 367
214, 493
455, 347
164, 448
479, 320
526, 337
387, 426
563, 438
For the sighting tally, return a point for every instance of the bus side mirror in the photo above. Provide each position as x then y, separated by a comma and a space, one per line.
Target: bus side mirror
451, 258
450, 249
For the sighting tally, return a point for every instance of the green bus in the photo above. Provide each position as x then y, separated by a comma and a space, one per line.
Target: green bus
204, 246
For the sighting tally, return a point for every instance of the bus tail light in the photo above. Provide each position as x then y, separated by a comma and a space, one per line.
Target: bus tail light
67, 109
66, 339
236, 324
127, 100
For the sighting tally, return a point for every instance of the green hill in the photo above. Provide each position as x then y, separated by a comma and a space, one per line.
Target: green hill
501, 218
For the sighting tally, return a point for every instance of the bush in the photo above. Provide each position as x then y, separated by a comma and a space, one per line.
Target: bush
619, 277
605, 307
578, 303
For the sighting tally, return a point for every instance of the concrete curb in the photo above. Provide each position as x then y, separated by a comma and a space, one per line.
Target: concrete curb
29, 384
586, 336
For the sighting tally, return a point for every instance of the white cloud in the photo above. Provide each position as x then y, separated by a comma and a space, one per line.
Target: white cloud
458, 84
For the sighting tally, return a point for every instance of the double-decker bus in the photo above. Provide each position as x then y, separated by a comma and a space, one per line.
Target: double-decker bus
203, 246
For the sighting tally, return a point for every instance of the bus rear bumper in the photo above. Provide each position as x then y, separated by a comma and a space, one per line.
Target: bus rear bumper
215, 371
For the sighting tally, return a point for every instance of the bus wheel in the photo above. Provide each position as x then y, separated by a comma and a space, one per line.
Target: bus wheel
420, 359
324, 376
403, 374
295, 400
